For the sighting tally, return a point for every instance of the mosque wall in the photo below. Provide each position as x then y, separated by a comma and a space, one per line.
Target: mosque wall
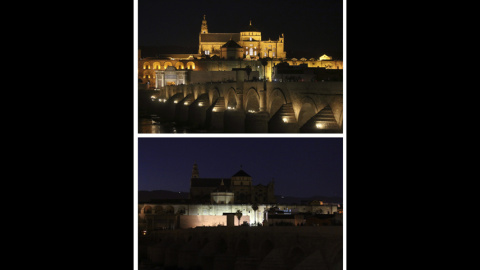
213, 214
187, 222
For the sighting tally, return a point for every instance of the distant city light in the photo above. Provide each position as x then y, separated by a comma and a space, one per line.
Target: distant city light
185, 103
200, 104
175, 101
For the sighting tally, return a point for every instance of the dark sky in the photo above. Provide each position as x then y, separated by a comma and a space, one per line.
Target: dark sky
301, 167
311, 27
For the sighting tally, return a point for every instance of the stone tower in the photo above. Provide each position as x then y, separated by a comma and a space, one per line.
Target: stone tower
204, 28
242, 186
195, 173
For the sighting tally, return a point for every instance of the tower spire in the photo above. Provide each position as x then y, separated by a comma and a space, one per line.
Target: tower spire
204, 28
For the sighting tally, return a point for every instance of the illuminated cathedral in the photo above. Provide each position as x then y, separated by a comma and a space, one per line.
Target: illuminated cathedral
246, 44
223, 52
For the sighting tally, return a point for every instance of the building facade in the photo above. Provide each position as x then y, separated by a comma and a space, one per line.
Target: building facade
225, 51
249, 39
215, 201
238, 189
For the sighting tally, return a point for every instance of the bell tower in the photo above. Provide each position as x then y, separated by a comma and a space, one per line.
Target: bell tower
195, 173
204, 28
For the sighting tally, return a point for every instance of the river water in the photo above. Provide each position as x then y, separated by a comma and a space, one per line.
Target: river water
147, 125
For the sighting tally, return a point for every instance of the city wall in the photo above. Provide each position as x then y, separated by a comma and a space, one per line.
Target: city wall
187, 222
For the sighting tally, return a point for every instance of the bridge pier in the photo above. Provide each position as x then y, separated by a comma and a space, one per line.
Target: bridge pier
181, 112
283, 121
197, 116
256, 122
214, 118
234, 121
323, 122
222, 262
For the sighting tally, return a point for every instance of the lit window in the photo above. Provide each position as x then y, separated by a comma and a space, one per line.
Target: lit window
207, 52
250, 38
255, 53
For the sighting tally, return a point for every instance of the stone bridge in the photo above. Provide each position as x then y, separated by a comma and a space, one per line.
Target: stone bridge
265, 107
239, 248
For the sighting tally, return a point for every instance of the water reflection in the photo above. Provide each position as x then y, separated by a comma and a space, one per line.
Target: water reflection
148, 125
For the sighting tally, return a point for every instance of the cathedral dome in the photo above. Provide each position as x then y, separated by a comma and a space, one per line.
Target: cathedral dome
250, 28
241, 173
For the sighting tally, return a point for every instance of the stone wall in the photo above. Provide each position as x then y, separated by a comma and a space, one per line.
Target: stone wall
187, 222
216, 76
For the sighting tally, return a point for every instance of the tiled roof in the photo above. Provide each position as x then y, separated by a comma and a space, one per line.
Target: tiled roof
231, 44
219, 37
209, 182
241, 173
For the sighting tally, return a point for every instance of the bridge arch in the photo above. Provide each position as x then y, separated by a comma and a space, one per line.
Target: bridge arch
231, 99
213, 94
252, 100
276, 99
308, 108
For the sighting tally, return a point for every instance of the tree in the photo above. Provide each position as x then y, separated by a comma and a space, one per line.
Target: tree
264, 62
255, 208
248, 70
239, 216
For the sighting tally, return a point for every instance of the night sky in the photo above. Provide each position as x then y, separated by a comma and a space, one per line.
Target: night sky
301, 167
311, 27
